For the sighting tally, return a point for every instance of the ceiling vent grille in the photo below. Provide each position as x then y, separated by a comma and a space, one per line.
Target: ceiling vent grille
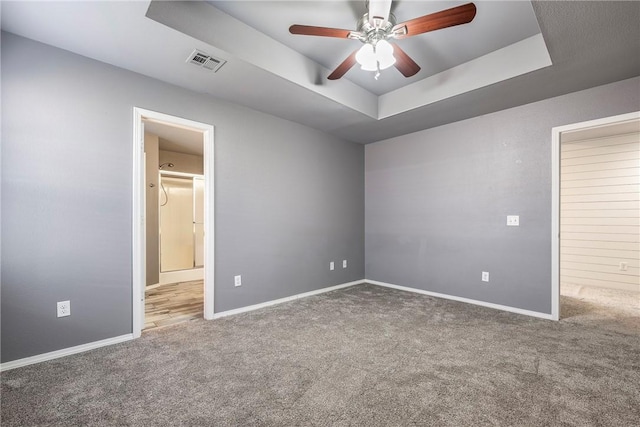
203, 60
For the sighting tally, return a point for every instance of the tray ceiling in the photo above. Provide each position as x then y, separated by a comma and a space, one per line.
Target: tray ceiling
513, 53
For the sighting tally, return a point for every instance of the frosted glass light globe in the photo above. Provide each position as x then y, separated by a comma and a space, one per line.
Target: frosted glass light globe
366, 57
384, 54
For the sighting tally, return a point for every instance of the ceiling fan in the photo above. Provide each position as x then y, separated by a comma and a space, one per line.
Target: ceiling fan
378, 26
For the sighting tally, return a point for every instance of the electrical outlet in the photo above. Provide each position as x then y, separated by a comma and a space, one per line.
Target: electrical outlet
624, 266
513, 220
237, 280
344, 263
485, 276
64, 308
332, 266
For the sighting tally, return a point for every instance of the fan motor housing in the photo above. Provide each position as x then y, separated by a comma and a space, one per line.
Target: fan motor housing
372, 34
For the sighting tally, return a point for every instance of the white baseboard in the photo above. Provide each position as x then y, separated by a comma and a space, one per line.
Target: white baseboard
286, 299
465, 300
115, 340
181, 276
63, 352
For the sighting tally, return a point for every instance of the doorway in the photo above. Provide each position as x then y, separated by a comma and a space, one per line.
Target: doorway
596, 210
173, 211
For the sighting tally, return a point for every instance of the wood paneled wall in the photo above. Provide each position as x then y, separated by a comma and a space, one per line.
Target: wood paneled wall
600, 212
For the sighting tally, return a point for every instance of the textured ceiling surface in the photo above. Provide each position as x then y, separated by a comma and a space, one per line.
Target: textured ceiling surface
590, 43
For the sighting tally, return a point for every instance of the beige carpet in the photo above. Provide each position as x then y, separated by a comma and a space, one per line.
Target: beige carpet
361, 356
609, 309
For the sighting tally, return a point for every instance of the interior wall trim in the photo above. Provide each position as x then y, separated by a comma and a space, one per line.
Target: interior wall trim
138, 244
465, 300
63, 352
122, 338
286, 299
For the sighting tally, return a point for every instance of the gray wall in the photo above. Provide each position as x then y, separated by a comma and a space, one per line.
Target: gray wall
289, 199
437, 200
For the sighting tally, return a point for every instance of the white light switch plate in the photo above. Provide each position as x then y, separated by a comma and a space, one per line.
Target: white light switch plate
485, 276
237, 280
513, 220
332, 266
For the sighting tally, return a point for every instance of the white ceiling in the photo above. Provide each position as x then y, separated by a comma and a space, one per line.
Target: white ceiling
588, 43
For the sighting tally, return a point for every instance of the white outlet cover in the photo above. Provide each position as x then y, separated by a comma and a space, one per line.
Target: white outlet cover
237, 280
64, 308
485, 276
332, 266
344, 263
513, 220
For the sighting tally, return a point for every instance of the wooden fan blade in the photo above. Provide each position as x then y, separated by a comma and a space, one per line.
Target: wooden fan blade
309, 30
344, 67
404, 63
436, 21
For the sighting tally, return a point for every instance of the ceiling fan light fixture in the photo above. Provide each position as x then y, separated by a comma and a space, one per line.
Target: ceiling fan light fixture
374, 58
366, 57
379, 25
384, 54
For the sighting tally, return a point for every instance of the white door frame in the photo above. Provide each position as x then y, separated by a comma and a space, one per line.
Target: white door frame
138, 240
556, 135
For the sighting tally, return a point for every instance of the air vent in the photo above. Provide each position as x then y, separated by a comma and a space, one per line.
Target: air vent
203, 60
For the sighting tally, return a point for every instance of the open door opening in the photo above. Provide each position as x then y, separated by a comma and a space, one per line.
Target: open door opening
596, 214
173, 227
